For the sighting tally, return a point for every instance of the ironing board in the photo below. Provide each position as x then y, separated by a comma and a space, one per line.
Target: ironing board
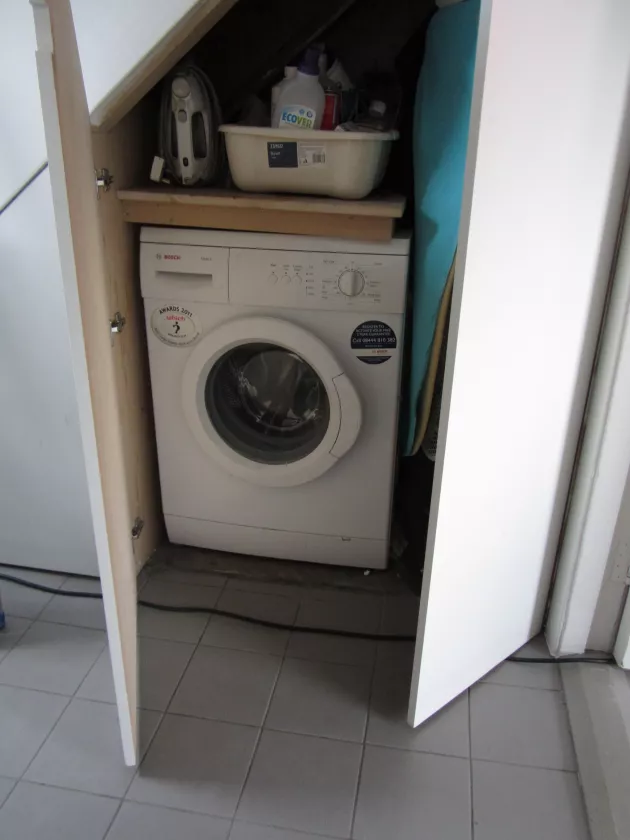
441, 117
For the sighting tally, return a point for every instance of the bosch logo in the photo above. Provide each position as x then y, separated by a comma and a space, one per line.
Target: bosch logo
172, 257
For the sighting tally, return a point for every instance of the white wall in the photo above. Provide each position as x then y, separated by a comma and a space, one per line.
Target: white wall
45, 518
44, 513
113, 36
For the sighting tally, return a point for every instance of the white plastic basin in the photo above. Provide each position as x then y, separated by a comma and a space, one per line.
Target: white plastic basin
342, 164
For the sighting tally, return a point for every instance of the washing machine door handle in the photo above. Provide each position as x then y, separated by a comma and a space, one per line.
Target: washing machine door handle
351, 416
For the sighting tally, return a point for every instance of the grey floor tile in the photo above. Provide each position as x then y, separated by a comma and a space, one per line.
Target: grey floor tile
356, 612
6, 786
52, 657
13, 631
266, 587
231, 633
446, 733
395, 656
520, 726
331, 649
23, 602
161, 665
526, 674
250, 831
522, 803
341, 611
229, 685
26, 720
176, 627
303, 783
413, 796
37, 812
321, 698
173, 574
99, 683
82, 612
150, 822
84, 752
195, 765
400, 615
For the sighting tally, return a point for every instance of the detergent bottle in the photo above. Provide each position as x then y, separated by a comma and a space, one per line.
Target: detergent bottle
301, 99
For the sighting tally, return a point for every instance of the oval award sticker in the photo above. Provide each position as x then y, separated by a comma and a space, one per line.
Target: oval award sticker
175, 325
373, 342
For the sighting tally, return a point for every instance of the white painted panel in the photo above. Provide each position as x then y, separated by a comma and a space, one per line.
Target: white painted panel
598, 515
622, 643
85, 283
539, 221
112, 37
45, 518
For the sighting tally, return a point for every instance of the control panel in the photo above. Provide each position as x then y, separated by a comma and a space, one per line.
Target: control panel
307, 280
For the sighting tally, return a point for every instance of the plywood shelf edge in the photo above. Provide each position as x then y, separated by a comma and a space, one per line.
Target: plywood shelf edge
370, 219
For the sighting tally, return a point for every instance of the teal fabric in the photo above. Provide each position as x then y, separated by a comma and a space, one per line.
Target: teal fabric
442, 114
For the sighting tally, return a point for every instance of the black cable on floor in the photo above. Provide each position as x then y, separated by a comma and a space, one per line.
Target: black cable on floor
276, 625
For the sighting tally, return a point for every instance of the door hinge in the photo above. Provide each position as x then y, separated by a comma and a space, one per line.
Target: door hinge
104, 180
117, 323
136, 530
621, 565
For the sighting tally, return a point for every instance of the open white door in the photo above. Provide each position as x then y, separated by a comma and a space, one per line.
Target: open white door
69, 144
544, 186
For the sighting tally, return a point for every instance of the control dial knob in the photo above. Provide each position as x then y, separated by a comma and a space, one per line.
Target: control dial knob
351, 283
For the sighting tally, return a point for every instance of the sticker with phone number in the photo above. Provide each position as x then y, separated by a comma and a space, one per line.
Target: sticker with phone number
373, 342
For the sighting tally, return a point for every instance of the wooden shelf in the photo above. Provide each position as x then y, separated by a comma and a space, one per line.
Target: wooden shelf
370, 219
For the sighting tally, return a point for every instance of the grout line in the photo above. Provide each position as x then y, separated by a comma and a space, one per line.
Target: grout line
367, 723
526, 766
63, 787
470, 766
143, 752
258, 739
37, 690
281, 829
46, 739
113, 819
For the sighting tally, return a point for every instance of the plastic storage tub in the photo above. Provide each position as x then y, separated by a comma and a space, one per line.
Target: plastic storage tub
342, 164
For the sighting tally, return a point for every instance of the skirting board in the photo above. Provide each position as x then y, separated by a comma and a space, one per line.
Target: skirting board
598, 702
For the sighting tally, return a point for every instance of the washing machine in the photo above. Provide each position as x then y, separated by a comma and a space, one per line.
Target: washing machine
275, 369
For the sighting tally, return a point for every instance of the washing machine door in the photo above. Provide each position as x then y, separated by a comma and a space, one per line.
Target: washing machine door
269, 402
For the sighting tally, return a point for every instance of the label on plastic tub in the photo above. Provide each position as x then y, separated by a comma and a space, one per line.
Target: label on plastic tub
282, 155
293, 155
309, 155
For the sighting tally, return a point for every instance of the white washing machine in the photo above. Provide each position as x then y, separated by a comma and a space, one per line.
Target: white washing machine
275, 367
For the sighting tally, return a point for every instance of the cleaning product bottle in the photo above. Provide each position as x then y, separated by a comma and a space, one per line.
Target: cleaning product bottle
301, 99
290, 72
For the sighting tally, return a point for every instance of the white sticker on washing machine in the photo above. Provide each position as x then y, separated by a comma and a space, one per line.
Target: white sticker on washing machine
373, 342
175, 325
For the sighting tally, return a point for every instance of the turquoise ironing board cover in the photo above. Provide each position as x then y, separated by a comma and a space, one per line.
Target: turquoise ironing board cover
442, 113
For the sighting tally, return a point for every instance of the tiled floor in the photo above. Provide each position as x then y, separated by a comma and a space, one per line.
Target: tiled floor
257, 734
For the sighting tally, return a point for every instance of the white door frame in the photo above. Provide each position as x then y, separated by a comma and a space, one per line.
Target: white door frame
600, 479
